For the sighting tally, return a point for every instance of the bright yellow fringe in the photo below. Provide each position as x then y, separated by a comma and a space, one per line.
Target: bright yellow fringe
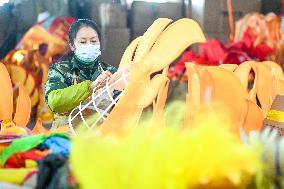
206, 156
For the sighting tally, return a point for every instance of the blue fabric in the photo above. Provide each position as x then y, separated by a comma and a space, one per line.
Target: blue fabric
58, 145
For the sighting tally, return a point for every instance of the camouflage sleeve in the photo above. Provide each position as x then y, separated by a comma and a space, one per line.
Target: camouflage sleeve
110, 68
59, 96
55, 80
64, 100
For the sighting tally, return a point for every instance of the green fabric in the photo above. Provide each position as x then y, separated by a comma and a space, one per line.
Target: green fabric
60, 76
22, 145
25, 144
64, 100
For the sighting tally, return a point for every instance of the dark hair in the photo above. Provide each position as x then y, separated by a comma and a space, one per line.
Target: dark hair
73, 30
80, 23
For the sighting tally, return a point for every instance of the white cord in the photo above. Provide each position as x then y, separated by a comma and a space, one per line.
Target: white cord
93, 101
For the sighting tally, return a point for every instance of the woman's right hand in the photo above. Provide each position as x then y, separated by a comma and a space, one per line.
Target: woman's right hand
101, 80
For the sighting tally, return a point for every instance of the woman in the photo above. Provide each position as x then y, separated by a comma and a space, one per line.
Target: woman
72, 79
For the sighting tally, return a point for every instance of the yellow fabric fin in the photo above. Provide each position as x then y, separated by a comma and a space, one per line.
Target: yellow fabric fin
44, 72
30, 84
254, 118
159, 104
229, 93
252, 93
129, 53
6, 100
34, 98
207, 87
193, 95
150, 37
18, 74
127, 103
23, 109
275, 68
243, 71
172, 42
152, 90
264, 86
230, 67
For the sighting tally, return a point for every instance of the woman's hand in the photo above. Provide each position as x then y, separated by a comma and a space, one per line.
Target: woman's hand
101, 80
120, 85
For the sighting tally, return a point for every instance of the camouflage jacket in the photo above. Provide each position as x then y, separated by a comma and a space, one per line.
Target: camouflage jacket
61, 93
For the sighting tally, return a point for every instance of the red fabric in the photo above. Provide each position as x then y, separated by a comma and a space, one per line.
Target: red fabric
18, 160
179, 67
214, 53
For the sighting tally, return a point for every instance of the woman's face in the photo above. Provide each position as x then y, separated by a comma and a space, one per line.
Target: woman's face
86, 36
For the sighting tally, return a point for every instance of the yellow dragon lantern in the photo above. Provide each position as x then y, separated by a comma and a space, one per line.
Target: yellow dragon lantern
209, 87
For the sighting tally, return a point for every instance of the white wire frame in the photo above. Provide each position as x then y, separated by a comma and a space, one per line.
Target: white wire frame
92, 103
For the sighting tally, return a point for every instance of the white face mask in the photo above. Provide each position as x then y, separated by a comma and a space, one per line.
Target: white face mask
88, 53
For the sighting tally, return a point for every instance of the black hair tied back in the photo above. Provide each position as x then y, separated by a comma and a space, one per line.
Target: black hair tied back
73, 30
76, 26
